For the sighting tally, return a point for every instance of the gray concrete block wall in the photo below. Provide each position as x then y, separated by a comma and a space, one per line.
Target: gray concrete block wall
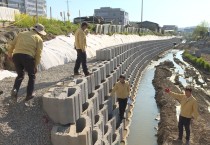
67, 102
95, 102
76, 134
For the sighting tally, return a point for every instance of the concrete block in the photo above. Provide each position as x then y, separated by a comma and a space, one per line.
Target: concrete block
97, 137
113, 52
108, 54
111, 65
115, 62
99, 122
114, 74
115, 112
68, 105
95, 100
100, 90
116, 139
104, 111
83, 84
89, 111
120, 130
108, 133
97, 75
108, 102
113, 123
110, 80
102, 68
107, 66
105, 85
91, 83
118, 60
76, 134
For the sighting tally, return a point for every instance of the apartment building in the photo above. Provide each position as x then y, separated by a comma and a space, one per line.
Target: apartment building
27, 6
116, 16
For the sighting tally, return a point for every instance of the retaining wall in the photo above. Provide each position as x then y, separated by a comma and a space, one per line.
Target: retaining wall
84, 111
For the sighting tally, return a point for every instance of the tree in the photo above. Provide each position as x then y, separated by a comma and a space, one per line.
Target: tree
201, 31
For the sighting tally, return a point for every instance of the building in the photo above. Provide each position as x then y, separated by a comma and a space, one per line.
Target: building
149, 25
27, 6
170, 28
89, 19
116, 16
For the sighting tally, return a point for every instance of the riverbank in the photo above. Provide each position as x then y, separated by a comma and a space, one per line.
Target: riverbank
168, 130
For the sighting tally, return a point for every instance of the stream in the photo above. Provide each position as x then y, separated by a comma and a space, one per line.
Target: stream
144, 121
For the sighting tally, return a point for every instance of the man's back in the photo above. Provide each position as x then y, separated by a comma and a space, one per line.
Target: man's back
27, 43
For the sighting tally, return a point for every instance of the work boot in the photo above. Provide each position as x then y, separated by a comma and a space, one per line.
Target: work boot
77, 74
14, 95
28, 100
178, 141
88, 74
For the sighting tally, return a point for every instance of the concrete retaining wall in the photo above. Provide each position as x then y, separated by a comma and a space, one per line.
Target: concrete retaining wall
86, 103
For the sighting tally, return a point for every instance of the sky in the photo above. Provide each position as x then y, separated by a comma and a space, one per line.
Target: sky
182, 13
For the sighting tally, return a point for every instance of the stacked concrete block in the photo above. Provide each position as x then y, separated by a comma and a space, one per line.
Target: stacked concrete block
91, 83
108, 133
110, 80
120, 130
89, 111
108, 102
93, 97
102, 68
113, 123
108, 54
93, 101
97, 75
97, 137
111, 65
116, 139
104, 111
114, 74
105, 85
107, 67
99, 122
76, 134
115, 62
83, 84
68, 105
116, 112
100, 90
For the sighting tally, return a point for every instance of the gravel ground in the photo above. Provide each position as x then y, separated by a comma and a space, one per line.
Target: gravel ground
21, 125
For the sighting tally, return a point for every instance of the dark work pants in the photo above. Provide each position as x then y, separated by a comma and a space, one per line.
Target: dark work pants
184, 122
122, 106
24, 62
81, 58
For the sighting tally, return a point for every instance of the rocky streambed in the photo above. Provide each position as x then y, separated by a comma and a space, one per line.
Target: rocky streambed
168, 125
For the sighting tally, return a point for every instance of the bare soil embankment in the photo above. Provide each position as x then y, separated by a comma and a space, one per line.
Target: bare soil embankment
168, 125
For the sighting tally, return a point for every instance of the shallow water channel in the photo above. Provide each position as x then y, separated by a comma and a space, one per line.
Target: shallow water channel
142, 129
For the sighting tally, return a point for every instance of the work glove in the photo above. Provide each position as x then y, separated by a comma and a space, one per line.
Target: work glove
167, 90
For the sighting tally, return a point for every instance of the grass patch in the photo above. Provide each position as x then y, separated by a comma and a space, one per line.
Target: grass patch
199, 62
55, 27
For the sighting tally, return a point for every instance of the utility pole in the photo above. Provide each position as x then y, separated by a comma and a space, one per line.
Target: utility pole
142, 3
37, 19
50, 13
68, 9
80, 17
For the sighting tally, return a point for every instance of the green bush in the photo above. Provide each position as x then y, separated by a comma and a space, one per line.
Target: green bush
52, 26
199, 62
